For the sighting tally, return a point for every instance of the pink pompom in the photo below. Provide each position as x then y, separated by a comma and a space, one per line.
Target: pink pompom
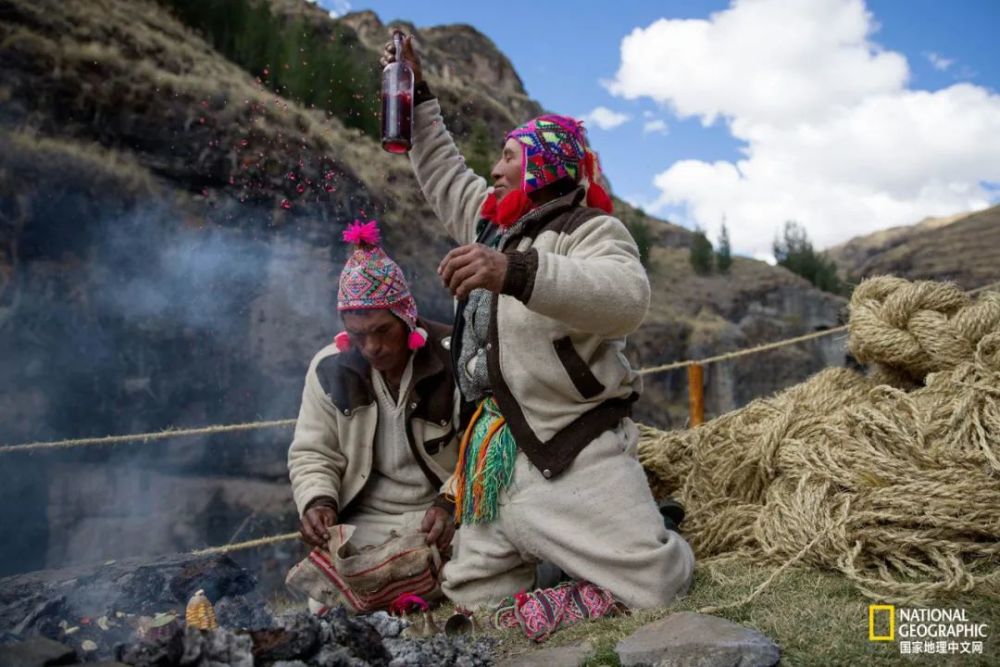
417, 339
342, 341
408, 602
363, 233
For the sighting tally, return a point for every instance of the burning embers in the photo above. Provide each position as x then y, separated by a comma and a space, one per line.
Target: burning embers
161, 613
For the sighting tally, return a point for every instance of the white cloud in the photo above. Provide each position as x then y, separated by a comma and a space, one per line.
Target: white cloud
336, 8
938, 61
656, 125
605, 118
832, 136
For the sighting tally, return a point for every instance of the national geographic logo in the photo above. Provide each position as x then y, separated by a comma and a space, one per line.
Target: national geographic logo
880, 634
926, 630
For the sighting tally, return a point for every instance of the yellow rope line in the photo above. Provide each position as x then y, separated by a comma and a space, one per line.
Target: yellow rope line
767, 346
249, 544
264, 541
742, 353
983, 288
146, 437
249, 426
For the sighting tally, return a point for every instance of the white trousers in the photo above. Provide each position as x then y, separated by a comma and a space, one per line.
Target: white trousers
596, 521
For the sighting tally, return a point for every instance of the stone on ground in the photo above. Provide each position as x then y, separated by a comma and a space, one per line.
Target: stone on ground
686, 639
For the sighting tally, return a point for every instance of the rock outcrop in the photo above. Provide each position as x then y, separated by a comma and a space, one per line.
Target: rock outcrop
169, 250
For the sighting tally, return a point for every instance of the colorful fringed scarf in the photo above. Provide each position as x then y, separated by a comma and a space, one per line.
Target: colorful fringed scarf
485, 465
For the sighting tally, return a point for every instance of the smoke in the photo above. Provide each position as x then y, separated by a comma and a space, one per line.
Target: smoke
155, 278
148, 321
128, 312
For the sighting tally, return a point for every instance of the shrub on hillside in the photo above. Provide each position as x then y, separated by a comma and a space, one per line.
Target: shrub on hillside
794, 251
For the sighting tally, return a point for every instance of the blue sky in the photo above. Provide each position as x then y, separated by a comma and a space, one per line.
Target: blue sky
845, 115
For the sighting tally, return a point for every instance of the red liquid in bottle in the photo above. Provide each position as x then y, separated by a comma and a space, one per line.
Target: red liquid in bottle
397, 102
397, 122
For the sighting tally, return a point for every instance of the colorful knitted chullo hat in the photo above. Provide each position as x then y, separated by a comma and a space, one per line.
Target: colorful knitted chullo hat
371, 280
553, 148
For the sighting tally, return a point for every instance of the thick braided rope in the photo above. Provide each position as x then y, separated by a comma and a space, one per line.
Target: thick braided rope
912, 329
898, 490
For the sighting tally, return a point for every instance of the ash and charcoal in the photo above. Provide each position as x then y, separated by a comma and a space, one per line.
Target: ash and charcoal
133, 613
301, 639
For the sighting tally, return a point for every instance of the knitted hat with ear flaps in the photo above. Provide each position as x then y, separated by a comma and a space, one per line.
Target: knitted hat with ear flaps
552, 148
370, 280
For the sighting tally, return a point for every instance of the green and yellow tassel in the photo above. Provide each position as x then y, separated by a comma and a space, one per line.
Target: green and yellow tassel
485, 465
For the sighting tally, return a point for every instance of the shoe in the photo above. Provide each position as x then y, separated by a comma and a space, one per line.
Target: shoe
672, 513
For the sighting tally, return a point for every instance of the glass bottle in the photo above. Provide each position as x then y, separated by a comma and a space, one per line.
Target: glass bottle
397, 101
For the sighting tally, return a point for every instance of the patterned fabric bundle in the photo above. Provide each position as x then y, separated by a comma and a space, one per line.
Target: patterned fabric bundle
485, 465
543, 611
402, 569
371, 280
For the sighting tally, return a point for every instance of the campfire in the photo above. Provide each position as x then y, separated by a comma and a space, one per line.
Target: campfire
186, 610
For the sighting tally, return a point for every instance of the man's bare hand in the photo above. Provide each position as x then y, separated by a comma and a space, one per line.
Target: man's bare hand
316, 523
410, 57
439, 526
472, 266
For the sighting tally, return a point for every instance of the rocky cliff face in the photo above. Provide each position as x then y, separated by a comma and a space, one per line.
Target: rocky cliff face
169, 249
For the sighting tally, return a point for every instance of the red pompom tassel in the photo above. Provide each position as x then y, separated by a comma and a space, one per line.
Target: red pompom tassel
489, 209
512, 207
417, 339
588, 165
598, 198
342, 341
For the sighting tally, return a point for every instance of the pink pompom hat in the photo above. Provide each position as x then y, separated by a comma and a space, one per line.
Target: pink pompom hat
371, 280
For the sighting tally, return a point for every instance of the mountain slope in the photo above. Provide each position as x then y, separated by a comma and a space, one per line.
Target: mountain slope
169, 251
962, 248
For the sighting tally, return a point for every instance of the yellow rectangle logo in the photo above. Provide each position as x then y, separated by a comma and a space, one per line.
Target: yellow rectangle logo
872, 608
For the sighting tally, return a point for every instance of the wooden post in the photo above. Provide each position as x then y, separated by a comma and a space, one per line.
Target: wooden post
696, 395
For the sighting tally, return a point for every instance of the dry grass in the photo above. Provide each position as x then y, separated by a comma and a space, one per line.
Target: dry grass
30, 151
964, 248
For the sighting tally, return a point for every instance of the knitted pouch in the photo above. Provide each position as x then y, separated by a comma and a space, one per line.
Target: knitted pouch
371, 578
543, 611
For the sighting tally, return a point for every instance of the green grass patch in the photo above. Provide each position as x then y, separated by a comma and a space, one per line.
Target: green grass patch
816, 618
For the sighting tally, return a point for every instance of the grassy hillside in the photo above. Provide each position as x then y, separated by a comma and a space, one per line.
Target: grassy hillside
962, 248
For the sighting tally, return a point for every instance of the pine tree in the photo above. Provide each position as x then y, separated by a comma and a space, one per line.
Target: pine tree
701, 253
794, 251
723, 256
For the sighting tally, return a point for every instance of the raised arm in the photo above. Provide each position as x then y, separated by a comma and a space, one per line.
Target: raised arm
452, 189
